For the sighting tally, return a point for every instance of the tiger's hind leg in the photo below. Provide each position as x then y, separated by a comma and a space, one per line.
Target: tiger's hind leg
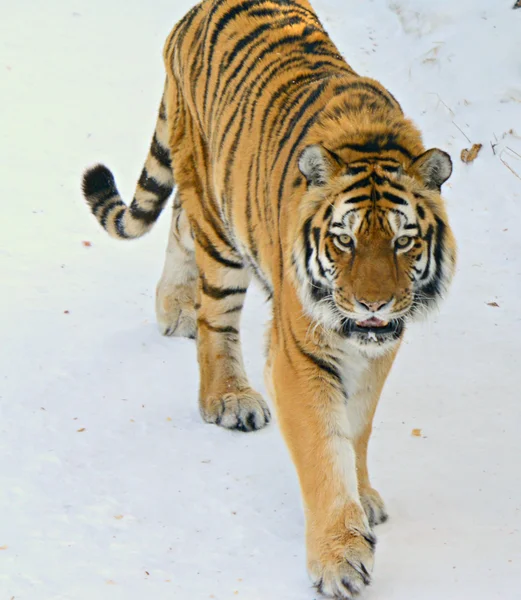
226, 397
176, 290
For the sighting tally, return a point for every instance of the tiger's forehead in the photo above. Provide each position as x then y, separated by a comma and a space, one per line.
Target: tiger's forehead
370, 219
373, 197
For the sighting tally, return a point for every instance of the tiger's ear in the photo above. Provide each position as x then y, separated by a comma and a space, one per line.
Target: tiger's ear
433, 167
317, 164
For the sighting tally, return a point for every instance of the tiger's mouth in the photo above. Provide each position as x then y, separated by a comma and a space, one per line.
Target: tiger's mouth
373, 329
374, 325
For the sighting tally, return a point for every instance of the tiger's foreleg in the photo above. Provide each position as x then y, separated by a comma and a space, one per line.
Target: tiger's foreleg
370, 388
226, 397
306, 380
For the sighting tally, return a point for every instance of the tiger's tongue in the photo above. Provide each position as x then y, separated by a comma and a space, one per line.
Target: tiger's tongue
372, 322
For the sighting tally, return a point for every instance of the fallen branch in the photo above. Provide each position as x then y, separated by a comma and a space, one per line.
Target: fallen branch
508, 166
440, 100
457, 127
508, 147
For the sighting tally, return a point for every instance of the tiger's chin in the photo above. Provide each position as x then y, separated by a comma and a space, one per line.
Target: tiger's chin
373, 338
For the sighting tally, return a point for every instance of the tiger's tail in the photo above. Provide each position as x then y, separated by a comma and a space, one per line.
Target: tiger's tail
152, 191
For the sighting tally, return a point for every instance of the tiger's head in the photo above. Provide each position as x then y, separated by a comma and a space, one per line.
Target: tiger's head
373, 247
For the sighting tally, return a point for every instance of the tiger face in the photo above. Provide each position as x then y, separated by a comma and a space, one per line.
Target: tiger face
373, 247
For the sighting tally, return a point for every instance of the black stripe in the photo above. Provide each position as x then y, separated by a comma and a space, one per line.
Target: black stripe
329, 211
317, 361
187, 21
364, 162
394, 184
394, 199
376, 145
358, 199
101, 199
149, 184
218, 293
162, 111
316, 238
147, 216
205, 243
306, 233
226, 329
322, 47
261, 278
328, 255
240, 110
118, 222
428, 239
233, 310
207, 204
389, 99
233, 149
433, 288
160, 153
365, 181
179, 33
253, 35
176, 224
316, 289
353, 170
107, 209
252, 244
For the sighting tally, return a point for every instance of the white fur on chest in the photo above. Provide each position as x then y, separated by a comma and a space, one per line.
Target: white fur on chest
357, 376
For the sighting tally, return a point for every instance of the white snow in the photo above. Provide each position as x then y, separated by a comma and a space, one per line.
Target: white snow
111, 486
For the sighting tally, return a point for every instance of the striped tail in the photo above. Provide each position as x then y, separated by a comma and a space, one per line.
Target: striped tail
152, 191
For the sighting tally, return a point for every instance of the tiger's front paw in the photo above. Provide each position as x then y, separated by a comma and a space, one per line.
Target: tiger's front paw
340, 563
244, 410
374, 506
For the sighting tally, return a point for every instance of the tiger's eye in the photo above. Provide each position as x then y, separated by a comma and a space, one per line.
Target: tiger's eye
403, 241
345, 240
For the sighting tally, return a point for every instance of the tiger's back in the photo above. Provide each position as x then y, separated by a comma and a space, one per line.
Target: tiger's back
252, 79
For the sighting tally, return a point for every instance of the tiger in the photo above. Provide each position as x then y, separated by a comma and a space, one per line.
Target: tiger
292, 170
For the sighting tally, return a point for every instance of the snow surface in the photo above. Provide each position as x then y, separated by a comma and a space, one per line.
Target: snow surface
111, 485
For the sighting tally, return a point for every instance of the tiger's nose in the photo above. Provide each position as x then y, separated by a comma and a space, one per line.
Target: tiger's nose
375, 306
